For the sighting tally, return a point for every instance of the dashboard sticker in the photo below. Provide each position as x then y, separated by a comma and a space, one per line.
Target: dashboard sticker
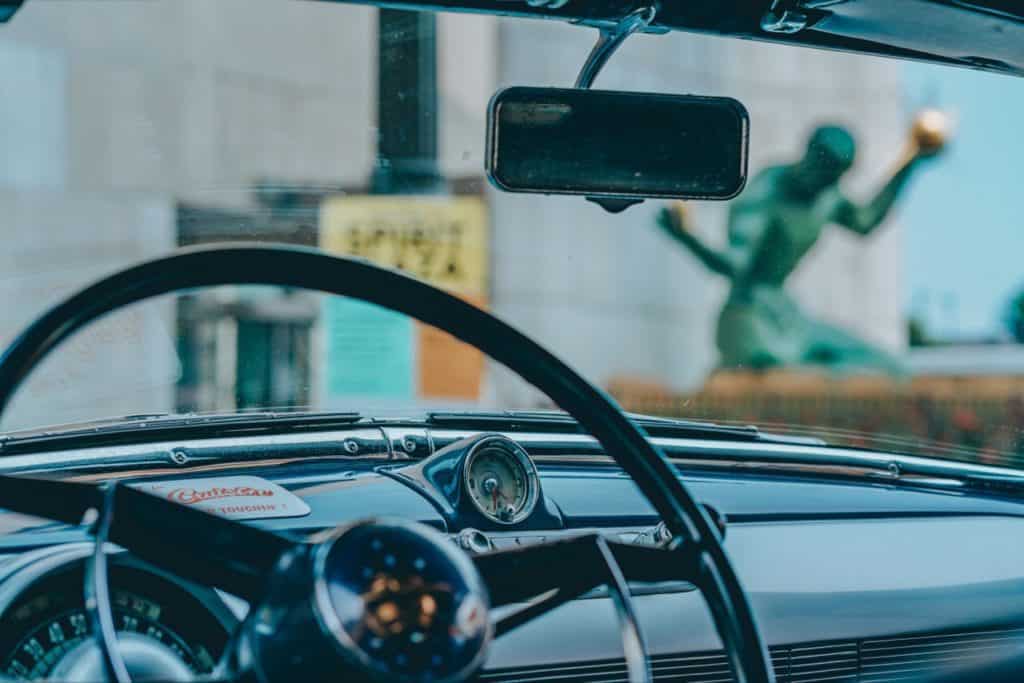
241, 497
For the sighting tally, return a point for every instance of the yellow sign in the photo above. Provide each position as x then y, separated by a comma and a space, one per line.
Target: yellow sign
441, 240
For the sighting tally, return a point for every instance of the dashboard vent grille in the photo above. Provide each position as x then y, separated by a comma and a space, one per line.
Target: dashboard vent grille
706, 667
880, 660
897, 659
836, 662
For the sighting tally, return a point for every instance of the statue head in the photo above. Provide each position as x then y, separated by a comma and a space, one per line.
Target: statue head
830, 153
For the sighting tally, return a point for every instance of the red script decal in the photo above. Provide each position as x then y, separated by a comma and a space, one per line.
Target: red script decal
191, 496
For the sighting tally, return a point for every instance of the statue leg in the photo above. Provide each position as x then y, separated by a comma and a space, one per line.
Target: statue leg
843, 352
752, 336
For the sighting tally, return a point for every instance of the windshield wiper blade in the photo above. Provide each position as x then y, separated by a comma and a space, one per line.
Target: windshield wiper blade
151, 427
556, 421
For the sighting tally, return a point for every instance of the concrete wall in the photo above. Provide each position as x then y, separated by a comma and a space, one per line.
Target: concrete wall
114, 112
55, 242
616, 297
200, 99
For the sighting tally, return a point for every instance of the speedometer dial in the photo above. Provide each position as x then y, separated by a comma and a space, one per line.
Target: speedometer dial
501, 480
36, 655
47, 628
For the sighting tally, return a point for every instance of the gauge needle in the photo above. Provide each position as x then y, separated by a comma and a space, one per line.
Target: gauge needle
494, 499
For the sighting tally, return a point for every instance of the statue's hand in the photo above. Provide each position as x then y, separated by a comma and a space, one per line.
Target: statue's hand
918, 151
675, 217
929, 133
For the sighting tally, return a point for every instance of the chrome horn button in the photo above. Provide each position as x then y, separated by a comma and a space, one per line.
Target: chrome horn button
401, 600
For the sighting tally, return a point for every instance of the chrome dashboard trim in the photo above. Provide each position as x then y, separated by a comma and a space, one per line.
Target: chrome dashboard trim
758, 455
378, 443
408, 443
371, 443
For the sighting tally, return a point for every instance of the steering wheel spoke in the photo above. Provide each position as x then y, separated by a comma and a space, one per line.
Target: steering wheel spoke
573, 566
518, 574
195, 544
547, 575
539, 578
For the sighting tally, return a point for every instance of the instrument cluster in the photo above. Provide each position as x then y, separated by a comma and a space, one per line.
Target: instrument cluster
166, 632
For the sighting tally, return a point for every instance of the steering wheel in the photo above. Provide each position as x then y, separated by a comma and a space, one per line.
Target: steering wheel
318, 604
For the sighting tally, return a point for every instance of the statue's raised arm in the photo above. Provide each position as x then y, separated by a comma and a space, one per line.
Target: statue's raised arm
928, 136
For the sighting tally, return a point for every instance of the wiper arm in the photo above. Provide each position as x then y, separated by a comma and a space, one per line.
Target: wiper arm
151, 427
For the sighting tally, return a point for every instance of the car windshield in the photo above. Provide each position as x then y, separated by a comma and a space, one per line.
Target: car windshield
866, 286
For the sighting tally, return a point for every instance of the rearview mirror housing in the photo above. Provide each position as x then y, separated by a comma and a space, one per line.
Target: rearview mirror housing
616, 146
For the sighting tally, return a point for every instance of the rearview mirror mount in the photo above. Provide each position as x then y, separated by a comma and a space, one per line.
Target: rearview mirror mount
617, 148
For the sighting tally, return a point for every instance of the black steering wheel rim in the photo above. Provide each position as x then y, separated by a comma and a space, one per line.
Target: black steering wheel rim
311, 269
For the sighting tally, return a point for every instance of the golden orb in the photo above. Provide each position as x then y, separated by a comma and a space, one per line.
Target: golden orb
931, 129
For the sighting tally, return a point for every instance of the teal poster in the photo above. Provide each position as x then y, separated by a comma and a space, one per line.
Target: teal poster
369, 350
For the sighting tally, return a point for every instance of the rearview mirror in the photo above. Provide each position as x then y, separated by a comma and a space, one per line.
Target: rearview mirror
616, 145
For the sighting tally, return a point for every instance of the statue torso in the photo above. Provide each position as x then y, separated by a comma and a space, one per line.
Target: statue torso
791, 226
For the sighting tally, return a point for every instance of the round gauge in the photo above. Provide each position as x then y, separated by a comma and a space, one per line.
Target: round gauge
47, 628
501, 480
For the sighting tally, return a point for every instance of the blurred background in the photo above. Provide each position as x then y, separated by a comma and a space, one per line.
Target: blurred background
130, 128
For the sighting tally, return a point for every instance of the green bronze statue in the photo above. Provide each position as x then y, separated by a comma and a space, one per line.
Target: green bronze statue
772, 225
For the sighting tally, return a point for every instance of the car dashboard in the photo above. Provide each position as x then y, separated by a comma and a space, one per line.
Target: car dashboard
852, 577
